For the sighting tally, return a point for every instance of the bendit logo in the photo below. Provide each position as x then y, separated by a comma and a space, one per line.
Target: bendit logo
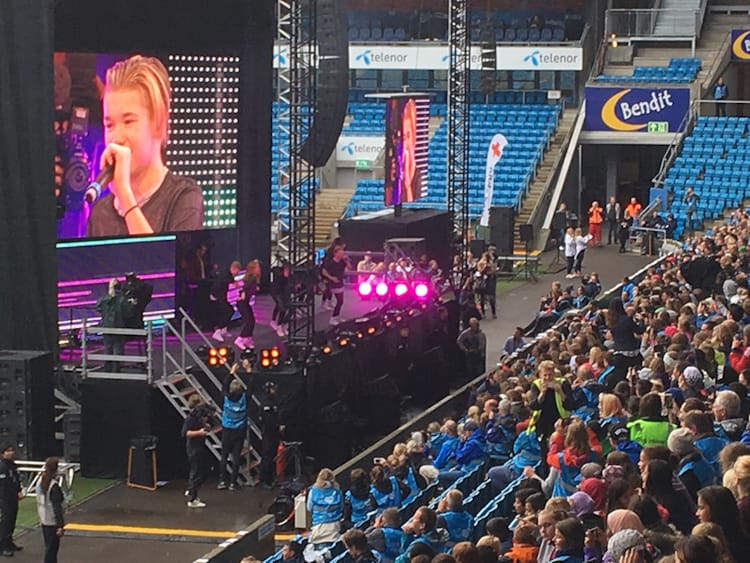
741, 46
624, 111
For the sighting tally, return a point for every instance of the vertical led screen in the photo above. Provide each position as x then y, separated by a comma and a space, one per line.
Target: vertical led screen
171, 124
406, 143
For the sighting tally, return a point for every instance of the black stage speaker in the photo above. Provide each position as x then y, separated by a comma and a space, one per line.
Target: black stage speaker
27, 403
333, 82
526, 232
112, 413
502, 226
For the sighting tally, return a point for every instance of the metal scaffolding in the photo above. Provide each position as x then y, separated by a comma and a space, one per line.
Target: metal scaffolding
296, 91
459, 84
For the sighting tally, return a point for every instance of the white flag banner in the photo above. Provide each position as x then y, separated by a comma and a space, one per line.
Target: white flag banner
494, 154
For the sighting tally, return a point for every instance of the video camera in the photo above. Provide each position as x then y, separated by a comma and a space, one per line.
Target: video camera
74, 160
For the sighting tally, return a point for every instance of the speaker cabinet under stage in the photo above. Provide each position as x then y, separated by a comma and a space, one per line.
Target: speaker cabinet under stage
526, 232
27, 403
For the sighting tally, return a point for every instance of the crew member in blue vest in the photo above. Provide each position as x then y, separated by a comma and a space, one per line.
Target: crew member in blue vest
690, 199
386, 491
233, 428
470, 453
446, 455
385, 536
710, 445
422, 528
326, 504
526, 451
693, 469
721, 92
358, 502
451, 515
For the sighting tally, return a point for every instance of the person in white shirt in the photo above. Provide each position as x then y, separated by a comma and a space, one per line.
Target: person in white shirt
581, 242
570, 250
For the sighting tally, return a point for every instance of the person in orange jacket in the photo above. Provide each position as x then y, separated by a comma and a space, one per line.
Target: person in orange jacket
525, 548
596, 218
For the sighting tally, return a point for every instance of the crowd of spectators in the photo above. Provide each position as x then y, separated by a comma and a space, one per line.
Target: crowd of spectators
621, 432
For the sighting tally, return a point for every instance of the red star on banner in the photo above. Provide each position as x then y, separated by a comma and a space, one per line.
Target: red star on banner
496, 149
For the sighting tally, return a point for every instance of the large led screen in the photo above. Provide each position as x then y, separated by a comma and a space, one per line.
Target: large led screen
406, 142
145, 144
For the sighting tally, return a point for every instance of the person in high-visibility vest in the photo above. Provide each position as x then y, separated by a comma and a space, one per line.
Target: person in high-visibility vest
551, 398
596, 218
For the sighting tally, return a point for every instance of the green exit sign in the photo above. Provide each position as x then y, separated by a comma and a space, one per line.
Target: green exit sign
658, 127
362, 164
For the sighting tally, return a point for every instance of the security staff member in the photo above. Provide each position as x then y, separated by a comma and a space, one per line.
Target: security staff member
10, 494
271, 428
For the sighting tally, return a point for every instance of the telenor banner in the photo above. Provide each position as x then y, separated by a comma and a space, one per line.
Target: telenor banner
494, 154
636, 110
740, 42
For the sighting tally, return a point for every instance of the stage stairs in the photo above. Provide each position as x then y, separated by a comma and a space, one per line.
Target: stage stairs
329, 207
186, 374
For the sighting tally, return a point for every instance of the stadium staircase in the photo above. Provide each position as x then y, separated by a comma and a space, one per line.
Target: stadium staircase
329, 207
545, 172
712, 50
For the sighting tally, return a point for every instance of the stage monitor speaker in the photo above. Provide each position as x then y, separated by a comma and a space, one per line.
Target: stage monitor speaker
332, 94
502, 226
526, 232
412, 247
27, 403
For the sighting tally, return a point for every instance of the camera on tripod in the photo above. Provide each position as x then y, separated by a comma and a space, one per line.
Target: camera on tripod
74, 159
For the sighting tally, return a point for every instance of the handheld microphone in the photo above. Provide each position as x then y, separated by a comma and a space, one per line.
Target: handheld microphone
94, 191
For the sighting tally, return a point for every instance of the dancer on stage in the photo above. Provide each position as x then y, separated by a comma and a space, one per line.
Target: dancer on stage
145, 197
333, 272
245, 304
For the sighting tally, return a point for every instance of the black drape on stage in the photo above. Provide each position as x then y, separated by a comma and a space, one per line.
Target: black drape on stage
27, 206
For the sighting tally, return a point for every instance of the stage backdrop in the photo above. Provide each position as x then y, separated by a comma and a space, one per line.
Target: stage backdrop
27, 213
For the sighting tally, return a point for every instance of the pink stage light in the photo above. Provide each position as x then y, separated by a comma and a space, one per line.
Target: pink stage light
401, 289
365, 289
381, 289
421, 290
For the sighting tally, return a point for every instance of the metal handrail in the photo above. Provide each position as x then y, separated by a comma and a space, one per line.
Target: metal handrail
720, 60
672, 150
651, 21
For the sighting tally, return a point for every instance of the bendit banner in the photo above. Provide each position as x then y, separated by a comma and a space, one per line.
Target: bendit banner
636, 110
352, 149
740, 44
494, 154
371, 56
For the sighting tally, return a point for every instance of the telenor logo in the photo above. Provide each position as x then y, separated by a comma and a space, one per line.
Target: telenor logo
533, 57
741, 46
281, 56
623, 114
364, 56
348, 148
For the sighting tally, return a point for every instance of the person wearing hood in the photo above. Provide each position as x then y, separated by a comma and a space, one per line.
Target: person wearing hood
621, 546
704, 438
233, 428
422, 528
693, 469
470, 452
726, 410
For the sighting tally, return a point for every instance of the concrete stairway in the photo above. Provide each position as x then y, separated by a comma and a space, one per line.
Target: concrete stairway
670, 23
715, 29
545, 170
329, 205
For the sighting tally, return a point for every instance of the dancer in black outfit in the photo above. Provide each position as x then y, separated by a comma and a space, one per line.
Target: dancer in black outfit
195, 428
245, 304
280, 292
